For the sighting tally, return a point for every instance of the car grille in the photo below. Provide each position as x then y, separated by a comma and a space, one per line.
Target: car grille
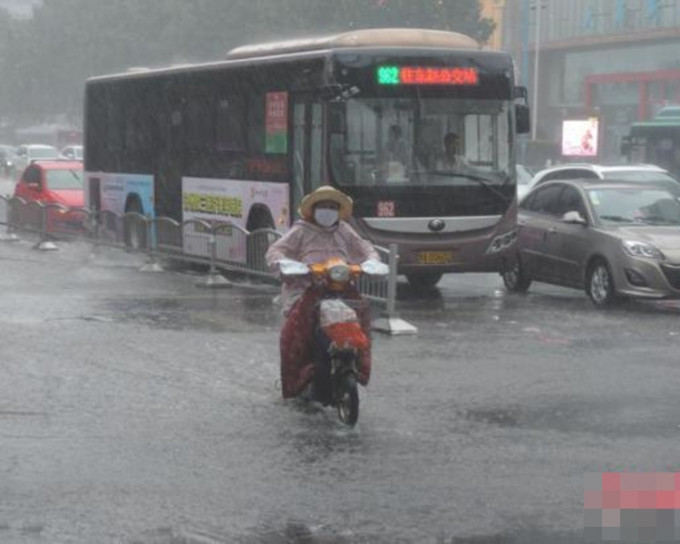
672, 273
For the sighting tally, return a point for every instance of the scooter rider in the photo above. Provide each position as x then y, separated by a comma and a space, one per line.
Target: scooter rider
321, 234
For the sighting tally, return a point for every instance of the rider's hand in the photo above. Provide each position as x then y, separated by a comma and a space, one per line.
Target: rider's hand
290, 270
373, 267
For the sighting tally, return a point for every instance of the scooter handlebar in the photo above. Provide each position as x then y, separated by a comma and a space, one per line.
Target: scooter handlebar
290, 267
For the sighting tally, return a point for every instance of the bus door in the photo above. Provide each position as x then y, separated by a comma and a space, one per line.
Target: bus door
307, 150
170, 155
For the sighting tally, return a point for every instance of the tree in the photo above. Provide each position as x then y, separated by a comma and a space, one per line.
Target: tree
46, 59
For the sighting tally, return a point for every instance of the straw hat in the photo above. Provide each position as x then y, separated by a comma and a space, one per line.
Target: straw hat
325, 193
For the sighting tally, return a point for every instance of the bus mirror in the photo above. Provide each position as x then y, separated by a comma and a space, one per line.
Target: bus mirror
522, 115
521, 93
336, 118
338, 93
522, 119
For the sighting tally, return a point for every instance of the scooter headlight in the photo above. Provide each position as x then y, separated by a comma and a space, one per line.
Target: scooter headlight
339, 273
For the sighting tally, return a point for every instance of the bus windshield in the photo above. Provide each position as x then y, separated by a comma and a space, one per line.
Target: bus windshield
420, 141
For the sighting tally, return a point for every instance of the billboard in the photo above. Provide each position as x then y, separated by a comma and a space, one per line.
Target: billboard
580, 137
228, 201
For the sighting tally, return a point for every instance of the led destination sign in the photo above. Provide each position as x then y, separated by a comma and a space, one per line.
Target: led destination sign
426, 75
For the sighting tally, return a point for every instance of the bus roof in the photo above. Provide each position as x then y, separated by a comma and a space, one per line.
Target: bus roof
357, 39
660, 125
668, 119
376, 37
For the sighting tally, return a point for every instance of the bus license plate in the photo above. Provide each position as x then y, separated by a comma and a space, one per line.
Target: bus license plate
435, 257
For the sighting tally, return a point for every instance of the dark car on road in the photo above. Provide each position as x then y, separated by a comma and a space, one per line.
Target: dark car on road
612, 238
8, 160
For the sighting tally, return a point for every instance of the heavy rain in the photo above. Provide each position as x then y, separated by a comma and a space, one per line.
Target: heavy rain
340, 272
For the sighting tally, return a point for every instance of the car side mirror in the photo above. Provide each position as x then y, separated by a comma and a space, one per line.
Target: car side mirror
574, 218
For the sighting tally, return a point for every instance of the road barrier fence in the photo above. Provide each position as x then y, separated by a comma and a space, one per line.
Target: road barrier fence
219, 245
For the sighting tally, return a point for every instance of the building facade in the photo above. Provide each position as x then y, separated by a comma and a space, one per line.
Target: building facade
617, 60
494, 10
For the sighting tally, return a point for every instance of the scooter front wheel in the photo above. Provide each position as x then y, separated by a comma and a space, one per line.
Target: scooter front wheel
348, 400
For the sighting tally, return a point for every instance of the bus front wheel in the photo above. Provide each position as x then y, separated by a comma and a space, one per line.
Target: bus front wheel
424, 280
258, 242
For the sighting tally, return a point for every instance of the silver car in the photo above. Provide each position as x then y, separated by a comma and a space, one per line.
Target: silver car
612, 238
623, 172
31, 152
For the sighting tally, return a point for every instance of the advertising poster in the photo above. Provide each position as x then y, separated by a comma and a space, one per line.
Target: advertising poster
222, 201
109, 192
276, 123
580, 137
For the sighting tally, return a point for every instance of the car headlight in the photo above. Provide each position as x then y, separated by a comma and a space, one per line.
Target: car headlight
641, 249
339, 273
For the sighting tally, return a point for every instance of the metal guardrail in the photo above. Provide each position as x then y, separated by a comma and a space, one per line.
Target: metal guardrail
218, 245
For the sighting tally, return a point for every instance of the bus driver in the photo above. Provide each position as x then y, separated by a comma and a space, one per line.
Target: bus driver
451, 159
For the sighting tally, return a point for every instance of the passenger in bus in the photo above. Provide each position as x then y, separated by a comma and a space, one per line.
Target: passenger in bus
394, 160
451, 159
321, 234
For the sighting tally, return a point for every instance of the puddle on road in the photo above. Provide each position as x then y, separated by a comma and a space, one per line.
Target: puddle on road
605, 417
301, 533
205, 312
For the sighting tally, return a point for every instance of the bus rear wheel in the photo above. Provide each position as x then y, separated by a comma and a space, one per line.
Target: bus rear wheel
424, 280
135, 227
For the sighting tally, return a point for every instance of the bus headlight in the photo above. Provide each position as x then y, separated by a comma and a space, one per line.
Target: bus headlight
502, 242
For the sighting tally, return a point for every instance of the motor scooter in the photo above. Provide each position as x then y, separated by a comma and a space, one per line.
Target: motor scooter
337, 326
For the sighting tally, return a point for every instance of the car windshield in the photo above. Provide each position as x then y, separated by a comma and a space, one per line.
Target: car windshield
75, 152
638, 175
43, 153
65, 179
636, 206
421, 141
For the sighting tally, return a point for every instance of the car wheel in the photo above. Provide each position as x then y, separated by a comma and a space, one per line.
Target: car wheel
600, 285
515, 279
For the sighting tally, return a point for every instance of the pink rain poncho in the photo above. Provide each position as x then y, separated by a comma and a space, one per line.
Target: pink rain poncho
309, 243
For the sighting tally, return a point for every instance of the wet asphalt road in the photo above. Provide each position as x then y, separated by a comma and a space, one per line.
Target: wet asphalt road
136, 408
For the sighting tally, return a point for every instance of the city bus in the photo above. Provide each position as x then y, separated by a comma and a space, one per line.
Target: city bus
656, 141
245, 138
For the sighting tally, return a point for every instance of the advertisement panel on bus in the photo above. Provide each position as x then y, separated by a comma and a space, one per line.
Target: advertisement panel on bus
107, 192
225, 200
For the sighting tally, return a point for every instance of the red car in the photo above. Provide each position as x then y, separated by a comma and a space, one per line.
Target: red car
55, 181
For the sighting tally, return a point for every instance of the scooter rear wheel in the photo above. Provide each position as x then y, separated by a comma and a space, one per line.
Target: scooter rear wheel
348, 400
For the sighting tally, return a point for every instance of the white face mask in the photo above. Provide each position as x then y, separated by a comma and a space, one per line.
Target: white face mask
326, 217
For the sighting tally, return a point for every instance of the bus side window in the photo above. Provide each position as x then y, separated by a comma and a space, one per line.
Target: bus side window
230, 123
255, 124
